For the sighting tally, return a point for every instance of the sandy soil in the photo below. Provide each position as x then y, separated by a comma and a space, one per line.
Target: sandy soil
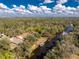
74, 56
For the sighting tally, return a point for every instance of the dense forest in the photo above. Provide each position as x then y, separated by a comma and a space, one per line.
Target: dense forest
37, 33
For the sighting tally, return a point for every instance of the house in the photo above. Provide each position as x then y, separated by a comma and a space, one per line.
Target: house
16, 40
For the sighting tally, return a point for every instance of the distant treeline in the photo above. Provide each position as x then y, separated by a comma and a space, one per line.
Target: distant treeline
16, 26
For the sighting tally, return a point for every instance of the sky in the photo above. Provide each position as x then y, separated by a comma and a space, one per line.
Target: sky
39, 8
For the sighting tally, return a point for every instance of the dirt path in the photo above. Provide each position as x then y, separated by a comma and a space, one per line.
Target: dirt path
73, 56
24, 35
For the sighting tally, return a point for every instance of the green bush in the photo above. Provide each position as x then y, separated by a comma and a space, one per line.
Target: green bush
31, 38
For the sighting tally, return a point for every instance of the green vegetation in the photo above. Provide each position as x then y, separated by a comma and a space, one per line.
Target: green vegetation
67, 46
5, 52
37, 28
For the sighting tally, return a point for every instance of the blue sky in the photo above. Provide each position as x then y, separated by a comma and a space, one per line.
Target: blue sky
34, 8
9, 3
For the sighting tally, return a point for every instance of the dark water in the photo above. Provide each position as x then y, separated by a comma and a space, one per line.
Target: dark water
41, 51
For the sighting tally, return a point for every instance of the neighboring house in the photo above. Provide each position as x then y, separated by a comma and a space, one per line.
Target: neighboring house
16, 40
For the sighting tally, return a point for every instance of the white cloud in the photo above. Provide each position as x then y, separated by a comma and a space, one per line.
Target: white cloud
60, 7
14, 6
2, 6
61, 1
32, 7
12, 12
22, 6
19, 9
62, 10
41, 11
5, 11
59, 10
36, 8
9, 11
44, 8
48, 1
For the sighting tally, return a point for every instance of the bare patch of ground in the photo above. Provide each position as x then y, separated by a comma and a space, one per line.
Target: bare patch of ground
74, 56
